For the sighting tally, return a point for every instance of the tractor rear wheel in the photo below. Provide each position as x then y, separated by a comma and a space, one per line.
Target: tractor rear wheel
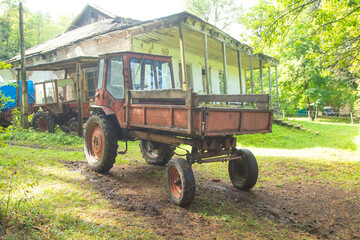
243, 172
180, 181
100, 143
43, 122
156, 153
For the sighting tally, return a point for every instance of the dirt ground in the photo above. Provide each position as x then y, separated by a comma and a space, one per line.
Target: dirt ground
316, 207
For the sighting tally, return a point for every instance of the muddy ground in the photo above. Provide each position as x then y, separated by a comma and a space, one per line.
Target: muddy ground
316, 207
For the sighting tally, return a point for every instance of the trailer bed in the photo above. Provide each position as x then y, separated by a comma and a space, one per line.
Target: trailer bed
182, 114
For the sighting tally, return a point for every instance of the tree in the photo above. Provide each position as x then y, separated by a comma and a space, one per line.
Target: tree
317, 41
221, 13
39, 27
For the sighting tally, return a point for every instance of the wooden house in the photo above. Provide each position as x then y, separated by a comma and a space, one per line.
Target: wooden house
204, 58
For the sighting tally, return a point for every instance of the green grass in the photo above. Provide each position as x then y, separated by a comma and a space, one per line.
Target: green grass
46, 200
330, 136
30, 137
280, 170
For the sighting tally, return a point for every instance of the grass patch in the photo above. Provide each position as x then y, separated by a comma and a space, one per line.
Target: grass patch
280, 170
331, 136
30, 137
47, 201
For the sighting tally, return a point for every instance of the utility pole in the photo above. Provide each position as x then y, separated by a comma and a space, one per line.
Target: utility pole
24, 88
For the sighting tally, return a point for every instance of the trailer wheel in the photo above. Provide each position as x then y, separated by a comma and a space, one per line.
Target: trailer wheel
243, 172
100, 143
156, 153
180, 181
43, 122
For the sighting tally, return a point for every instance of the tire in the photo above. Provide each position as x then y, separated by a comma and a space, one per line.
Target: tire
180, 182
43, 122
100, 143
243, 172
156, 153
73, 126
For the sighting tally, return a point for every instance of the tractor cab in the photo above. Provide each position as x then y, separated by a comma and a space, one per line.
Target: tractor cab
56, 103
122, 71
52, 95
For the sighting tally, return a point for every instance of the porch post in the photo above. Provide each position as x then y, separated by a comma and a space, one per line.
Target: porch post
261, 76
207, 73
239, 67
270, 94
185, 84
224, 66
277, 86
80, 110
251, 74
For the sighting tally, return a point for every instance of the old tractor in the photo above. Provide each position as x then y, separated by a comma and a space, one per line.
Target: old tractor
136, 100
56, 104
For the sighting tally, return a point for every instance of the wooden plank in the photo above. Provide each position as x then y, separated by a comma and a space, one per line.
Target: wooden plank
251, 98
159, 93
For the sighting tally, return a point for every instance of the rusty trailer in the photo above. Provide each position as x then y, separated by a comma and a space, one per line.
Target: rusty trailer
135, 100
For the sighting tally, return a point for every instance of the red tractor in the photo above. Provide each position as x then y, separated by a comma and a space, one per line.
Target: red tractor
56, 104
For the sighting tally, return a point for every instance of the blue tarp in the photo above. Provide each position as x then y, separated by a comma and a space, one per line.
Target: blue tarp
9, 90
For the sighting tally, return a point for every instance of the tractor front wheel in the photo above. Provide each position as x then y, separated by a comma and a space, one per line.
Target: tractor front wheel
43, 122
156, 153
180, 181
100, 143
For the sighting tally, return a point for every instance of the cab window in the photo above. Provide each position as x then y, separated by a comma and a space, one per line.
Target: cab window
142, 74
115, 77
101, 74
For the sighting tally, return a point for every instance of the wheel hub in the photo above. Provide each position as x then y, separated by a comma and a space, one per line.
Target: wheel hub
97, 142
43, 125
175, 183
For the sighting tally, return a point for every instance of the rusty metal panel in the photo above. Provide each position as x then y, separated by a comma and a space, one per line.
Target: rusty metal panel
222, 121
158, 117
180, 118
253, 121
136, 115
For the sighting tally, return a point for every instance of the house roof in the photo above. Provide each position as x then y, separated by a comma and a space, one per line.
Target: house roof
118, 23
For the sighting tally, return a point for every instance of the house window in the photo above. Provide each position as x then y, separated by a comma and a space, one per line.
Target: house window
222, 82
91, 76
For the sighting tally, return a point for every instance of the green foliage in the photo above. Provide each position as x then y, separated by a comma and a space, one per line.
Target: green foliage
39, 27
317, 43
4, 65
221, 13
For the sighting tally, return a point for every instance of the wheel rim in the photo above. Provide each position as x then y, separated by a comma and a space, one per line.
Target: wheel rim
152, 148
175, 183
43, 125
97, 142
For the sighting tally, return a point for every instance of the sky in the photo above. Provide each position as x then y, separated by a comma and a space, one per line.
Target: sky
137, 9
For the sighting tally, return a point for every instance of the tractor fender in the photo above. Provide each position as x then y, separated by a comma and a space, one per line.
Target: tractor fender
106, 110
